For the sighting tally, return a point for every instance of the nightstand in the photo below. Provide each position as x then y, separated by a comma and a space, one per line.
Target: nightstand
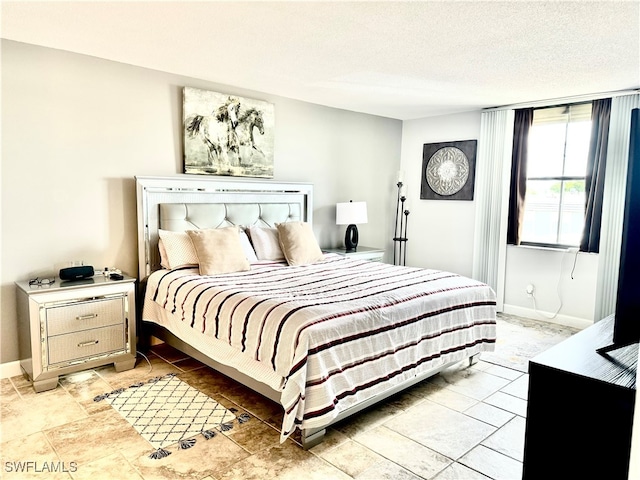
70, 326
364, 253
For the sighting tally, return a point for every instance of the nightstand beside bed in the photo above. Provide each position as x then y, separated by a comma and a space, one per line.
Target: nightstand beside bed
71, 326
364, 253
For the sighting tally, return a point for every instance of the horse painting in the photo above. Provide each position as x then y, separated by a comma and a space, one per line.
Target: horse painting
227, 135
218, 132
249, 120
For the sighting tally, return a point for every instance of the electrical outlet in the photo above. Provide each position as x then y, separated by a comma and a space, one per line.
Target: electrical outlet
530, 289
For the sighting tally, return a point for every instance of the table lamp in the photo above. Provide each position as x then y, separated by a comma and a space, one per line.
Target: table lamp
350, 213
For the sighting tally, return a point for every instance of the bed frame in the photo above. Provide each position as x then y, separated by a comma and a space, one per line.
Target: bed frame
243, 202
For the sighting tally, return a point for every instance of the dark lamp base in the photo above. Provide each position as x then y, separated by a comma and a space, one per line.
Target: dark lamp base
351, 237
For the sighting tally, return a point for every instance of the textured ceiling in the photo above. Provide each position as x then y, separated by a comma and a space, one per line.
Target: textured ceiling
395, 59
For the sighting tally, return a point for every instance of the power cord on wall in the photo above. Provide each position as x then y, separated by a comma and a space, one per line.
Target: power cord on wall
533, 296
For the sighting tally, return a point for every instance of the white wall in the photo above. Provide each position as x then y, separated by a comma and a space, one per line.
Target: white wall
440, 232
564, 285
76, 130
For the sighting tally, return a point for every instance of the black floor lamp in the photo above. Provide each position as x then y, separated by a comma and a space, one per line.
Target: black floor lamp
400, 234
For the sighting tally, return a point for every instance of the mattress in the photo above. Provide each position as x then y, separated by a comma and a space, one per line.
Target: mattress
328, 335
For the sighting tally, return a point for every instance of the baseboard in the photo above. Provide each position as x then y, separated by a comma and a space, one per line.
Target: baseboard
566, 320
10, 369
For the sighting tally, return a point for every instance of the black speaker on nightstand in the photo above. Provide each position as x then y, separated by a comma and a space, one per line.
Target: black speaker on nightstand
76, 273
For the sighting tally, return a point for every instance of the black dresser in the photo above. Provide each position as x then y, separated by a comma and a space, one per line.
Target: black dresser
580, 409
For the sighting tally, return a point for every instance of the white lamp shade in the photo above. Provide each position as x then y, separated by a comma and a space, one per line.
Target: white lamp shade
351, 213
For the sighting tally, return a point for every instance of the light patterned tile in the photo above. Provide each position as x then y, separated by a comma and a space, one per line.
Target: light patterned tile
387, 470
441, 429
254, 435
112, 466
518, 388
457, 471
8, 395
206, 458
332, 439
411, 455
20, 381
493, 464
504, 372
39, 411
489, 414
285, 461
254, 403
474, 383
367, 419
96, 437
509, 403
482, 365
28, 457
84, 387
208, 381
509, 439
450, 399
351, 457
143, 371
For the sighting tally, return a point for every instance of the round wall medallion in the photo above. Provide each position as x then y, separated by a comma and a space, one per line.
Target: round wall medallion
447, 171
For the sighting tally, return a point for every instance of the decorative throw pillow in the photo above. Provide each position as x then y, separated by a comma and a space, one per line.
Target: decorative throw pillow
178, 249
164, 259
265, 242
219, 250
298, 243
249, 252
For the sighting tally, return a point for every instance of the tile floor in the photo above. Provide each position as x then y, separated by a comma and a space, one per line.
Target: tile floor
466, 423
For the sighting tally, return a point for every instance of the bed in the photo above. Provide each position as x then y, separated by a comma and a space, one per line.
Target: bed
326, 337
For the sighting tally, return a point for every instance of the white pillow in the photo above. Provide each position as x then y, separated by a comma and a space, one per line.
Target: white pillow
247, 247
265, 243
179, 249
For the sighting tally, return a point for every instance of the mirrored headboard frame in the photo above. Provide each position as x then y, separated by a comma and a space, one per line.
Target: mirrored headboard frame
151, 192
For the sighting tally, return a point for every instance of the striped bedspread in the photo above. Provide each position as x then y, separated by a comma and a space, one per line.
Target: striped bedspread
338, 331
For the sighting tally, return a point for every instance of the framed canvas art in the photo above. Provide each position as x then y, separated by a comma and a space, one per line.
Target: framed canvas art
227, 134
448, 170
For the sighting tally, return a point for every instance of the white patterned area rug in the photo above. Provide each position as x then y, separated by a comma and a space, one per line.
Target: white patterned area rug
167, 411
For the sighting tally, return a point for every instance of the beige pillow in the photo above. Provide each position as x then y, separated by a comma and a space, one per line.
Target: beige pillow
219, 250
298, 243
178, 249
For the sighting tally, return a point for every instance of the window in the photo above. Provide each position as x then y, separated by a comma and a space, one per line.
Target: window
558, 148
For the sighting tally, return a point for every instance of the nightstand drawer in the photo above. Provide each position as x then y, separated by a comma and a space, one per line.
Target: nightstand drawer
84, 315
362, 253
89, 343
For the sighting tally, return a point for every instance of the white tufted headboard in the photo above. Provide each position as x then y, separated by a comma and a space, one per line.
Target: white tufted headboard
185, 202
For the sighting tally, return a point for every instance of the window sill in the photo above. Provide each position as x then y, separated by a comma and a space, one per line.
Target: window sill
550, 249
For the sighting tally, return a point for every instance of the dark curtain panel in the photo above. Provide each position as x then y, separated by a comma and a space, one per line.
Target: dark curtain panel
522, 124
594, 181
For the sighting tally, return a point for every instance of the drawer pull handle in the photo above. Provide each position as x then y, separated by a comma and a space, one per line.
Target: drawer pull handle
88, 344
87, 317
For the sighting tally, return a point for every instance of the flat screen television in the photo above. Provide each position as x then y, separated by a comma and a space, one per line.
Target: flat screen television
626, 330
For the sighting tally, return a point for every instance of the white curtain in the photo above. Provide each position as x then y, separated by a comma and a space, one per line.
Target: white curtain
613, 204
492, 189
